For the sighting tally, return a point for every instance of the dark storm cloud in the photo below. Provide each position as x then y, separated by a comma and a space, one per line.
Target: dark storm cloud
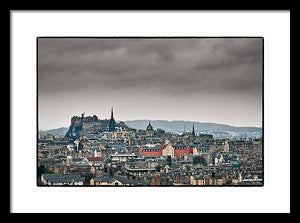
162, 67
151, 61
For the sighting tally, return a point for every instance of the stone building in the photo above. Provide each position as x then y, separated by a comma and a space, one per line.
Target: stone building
149, 130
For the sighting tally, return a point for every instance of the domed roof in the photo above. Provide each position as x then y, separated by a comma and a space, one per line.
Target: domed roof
149, 127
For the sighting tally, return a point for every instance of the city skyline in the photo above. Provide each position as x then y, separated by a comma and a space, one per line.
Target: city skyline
216, 80
142, 119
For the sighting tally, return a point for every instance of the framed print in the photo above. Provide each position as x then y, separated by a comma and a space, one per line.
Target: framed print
168, 78
126, 110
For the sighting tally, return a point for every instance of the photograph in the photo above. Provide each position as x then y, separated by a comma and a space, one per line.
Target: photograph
158, 111
126, 110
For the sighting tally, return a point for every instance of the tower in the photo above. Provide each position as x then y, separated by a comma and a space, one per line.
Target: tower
112, 121
149, 130
193, 132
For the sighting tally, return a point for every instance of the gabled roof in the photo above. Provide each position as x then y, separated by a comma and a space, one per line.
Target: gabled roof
63, 178
179, 146
148, 148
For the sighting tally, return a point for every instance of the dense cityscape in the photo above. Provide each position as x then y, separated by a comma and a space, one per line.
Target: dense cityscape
97, 152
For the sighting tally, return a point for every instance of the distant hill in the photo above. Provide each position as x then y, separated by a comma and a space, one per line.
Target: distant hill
218, 130
178, 126
59, 131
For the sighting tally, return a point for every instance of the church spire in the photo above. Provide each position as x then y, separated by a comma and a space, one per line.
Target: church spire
193, 132
112, 113
112, 121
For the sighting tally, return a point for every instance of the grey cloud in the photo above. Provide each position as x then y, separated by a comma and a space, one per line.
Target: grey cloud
147, 68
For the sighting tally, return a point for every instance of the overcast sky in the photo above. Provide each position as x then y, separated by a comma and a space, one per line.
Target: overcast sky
207, 80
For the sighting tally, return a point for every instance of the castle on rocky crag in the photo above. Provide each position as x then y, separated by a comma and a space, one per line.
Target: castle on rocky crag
91, 124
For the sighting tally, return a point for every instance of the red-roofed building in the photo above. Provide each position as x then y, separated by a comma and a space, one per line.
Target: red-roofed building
157, 150
151, 150
181, 150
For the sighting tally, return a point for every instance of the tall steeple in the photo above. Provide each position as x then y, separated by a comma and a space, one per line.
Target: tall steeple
112, 113
112, 121
193, 132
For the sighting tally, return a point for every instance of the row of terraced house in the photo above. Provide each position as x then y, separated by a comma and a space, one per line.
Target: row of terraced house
165, 150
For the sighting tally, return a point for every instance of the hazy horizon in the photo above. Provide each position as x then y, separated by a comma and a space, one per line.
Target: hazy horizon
67, 126
208, 80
